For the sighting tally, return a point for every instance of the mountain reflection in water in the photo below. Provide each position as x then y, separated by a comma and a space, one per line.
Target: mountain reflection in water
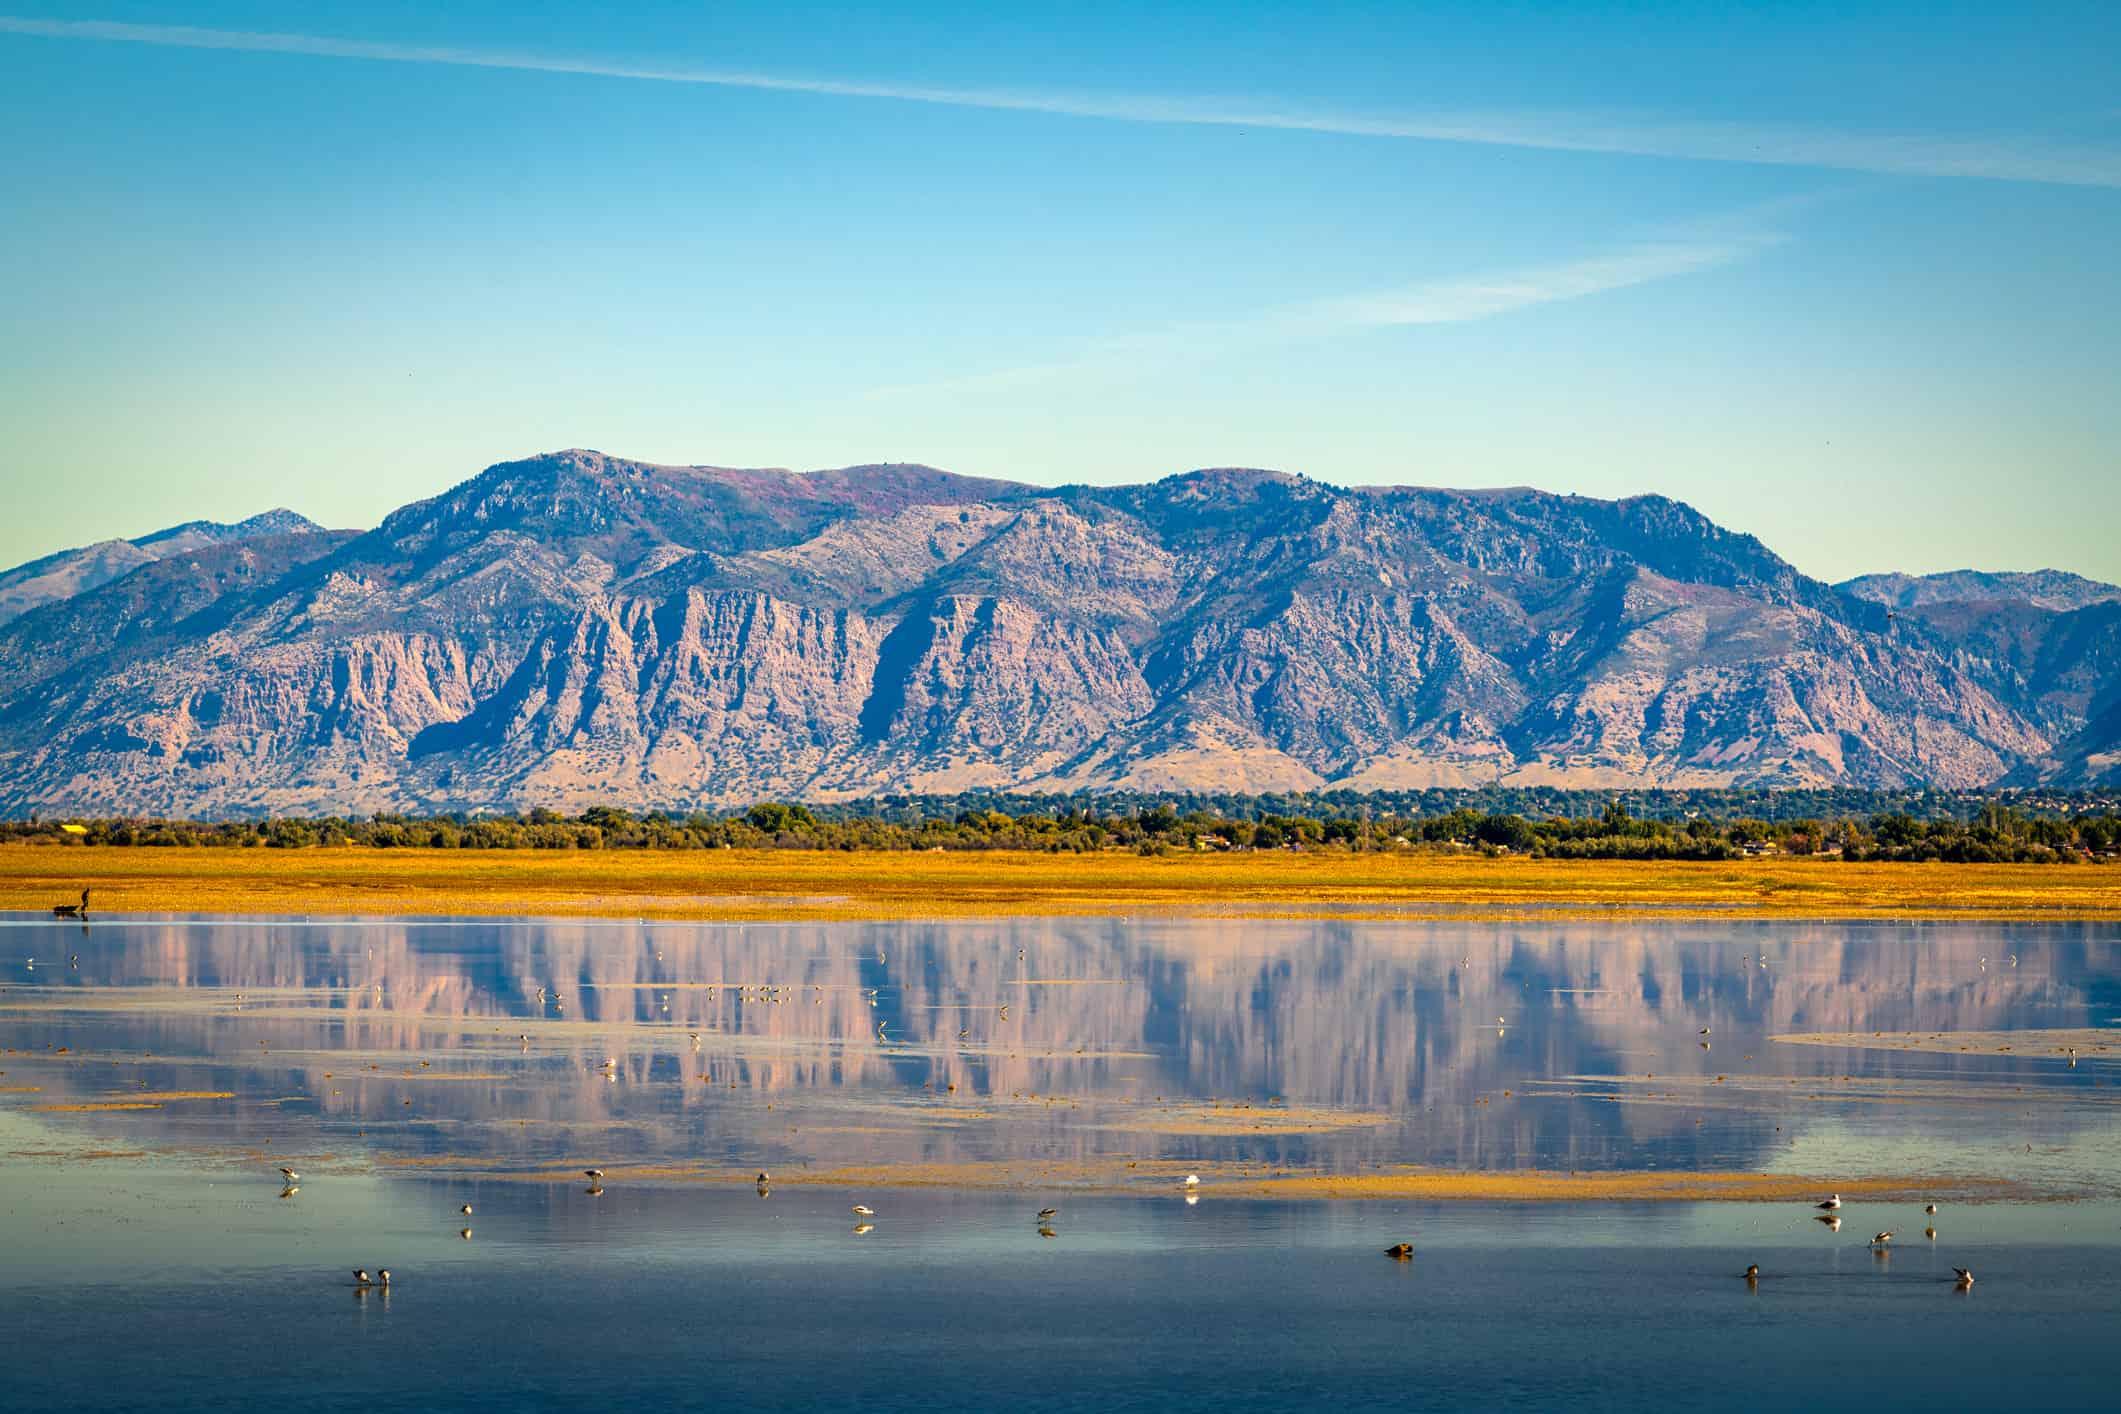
1317, 1044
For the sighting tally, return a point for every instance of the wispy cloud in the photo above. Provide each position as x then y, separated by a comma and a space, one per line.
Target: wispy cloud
2020, 159
1458, 300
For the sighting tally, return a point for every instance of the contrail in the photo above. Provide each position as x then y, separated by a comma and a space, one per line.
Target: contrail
2017, 159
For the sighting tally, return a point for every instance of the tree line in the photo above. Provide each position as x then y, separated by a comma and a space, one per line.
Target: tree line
1998, 831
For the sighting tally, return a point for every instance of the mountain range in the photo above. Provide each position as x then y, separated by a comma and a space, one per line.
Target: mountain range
577, 628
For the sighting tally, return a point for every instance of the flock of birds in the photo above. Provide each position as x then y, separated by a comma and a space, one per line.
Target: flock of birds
862, 1211
1880, 1242
1963, 1277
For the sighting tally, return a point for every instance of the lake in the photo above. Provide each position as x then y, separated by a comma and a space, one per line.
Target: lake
958, 1077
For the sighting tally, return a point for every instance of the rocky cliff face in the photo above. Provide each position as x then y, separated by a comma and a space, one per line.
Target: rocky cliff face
576, 628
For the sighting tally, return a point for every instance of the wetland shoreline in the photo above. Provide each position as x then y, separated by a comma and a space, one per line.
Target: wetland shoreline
787, 885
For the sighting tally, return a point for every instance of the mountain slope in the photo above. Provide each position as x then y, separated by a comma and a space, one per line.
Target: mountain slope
70, 572
576, 628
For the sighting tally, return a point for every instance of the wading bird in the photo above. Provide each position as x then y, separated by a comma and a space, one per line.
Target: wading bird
1400, 1251
290, 1175
1966, 1278
863, 1210
1045, 1213
1832, 1202
72, 910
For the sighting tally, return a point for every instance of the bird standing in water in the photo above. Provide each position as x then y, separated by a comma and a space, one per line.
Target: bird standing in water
1752, 1273
1400, 1251
1833, 1201
1965, 1277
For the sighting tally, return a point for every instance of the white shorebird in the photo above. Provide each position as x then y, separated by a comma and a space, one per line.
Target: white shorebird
592, 1174
863, 1210
1704, 1030
360, 1277
1192, 1181
1929, 1208
1044, 1213
1882, 1238
1833, 1201
383, 1276
1966, 1277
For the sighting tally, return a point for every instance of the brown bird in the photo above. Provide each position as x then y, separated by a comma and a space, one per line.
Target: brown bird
1400, 1251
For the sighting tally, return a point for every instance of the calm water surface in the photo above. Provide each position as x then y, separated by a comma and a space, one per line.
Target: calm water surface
150, 1260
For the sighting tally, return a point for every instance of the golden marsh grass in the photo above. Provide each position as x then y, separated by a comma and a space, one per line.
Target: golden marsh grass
825, 886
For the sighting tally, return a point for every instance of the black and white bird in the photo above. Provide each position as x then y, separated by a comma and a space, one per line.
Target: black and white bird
360, 1277
1752, 1272
1833, 1201
290, 1175
1045, 1213
1966, 1277
1882, 1238
863, 1210
465, 1210
1930, 1208
592, 1174
1400, 1251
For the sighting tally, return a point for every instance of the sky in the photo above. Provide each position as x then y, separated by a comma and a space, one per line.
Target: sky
1843, 276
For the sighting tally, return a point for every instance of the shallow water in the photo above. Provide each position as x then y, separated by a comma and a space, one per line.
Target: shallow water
150, 1259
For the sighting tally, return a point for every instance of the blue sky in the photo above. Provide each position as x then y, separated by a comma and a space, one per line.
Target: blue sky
1840, 275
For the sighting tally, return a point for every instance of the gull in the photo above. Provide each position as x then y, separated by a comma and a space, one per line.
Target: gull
1833, 1200
1400, 1251
863, 1210
1965, 1275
